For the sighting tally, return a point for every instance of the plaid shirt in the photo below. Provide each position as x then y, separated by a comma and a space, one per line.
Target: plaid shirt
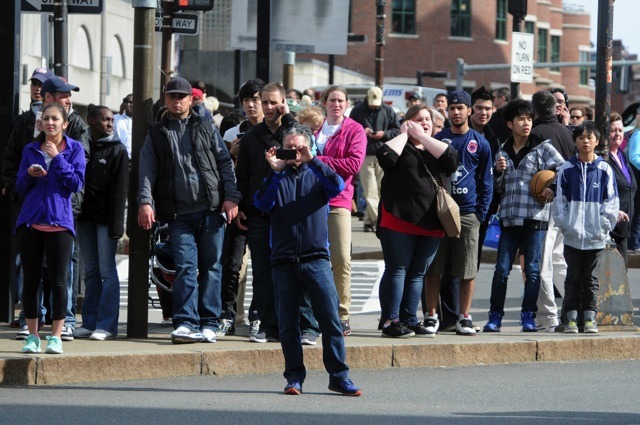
517, 204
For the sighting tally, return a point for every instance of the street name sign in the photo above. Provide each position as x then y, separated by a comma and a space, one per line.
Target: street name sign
522, 57
73, 6
182, 23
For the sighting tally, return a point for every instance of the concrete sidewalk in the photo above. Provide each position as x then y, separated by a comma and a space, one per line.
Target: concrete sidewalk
157, 357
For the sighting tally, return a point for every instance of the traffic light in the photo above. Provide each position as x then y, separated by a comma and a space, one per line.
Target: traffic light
192, 5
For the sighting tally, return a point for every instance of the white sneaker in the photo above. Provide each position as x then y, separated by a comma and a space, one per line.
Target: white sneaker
67, 333
101, 335
432, 324
208, 335
184, 335
464, 325
82, 333
23, 333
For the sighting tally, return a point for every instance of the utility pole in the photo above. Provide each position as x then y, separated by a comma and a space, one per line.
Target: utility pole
604, 66
263, 43
60, 38
288, 66
380, 18
167, 36
143, 59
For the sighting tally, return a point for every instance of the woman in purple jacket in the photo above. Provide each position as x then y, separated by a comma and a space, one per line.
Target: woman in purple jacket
341, 144
52, 168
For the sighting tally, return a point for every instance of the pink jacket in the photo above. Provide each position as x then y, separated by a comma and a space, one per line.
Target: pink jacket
344, 152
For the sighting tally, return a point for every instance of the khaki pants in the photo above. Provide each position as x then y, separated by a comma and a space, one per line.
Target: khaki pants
371, 179
340, 250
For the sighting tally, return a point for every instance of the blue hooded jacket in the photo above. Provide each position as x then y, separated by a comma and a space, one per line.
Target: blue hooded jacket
47, 200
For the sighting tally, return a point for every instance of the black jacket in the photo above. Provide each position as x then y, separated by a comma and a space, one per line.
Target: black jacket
106, 185
626, 194
252, 167
382, 118
407, 190
212, 158
548, 127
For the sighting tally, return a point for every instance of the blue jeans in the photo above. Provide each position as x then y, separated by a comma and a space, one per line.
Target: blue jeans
196, 246
291, 281
406, 260
530, 242
101, 305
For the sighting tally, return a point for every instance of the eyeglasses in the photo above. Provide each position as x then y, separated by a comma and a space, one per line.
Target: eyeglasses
575, 117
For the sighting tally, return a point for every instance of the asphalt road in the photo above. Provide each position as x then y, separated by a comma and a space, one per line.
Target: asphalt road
541, 393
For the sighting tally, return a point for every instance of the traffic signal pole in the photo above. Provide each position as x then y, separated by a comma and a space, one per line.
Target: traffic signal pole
139, 239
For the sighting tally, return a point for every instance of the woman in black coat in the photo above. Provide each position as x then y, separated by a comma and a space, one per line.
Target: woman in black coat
626, 182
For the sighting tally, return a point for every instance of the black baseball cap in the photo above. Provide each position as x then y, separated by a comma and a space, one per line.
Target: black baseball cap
178, 85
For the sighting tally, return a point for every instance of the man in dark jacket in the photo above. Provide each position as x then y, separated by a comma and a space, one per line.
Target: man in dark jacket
553, 267
251, 169
381, 124
187, 180
296, 193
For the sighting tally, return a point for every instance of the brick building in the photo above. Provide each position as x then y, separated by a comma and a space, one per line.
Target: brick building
430, 35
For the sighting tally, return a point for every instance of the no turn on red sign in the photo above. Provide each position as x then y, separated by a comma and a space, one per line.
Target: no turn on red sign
522, 57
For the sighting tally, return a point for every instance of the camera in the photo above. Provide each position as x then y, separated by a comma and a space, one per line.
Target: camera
285, 154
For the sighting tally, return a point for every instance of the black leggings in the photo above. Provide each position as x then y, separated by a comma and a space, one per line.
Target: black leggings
33, 245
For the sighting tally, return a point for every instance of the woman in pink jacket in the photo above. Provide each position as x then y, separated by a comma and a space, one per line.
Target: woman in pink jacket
341, 144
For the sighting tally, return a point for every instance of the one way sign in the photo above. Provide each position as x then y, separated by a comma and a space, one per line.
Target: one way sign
182, 23
73, 6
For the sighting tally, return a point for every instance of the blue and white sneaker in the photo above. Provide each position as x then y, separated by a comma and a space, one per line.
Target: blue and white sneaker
184, 335
54, 345
345, 387
294, 387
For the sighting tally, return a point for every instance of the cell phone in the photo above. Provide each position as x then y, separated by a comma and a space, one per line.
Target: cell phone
285, 154
223, 214
37, 167
239, 135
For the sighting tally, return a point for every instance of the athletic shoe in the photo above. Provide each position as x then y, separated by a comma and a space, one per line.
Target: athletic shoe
396, 329
101, 335
571, 327
590, 327
495, 322
273, 338
82, 333
420, 330
184, 335
308, 338
432, 324
527, 319
225, 328
67, 333
208, 335
166, 321
345, 387
294, 387
464, 326
23, 333
346, 327
254, 329
54, 345
31, 344
258, 337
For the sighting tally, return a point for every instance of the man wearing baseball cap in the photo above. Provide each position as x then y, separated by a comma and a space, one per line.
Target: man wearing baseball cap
472, 189
22, 134
57, 89
381, 124
187, 181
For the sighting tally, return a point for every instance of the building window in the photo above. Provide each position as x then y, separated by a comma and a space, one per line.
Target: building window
555, 51
542, 45
501, 20
461, 18
584, 70
403, 16
529, 27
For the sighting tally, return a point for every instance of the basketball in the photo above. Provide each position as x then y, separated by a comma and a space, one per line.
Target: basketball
539, 182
